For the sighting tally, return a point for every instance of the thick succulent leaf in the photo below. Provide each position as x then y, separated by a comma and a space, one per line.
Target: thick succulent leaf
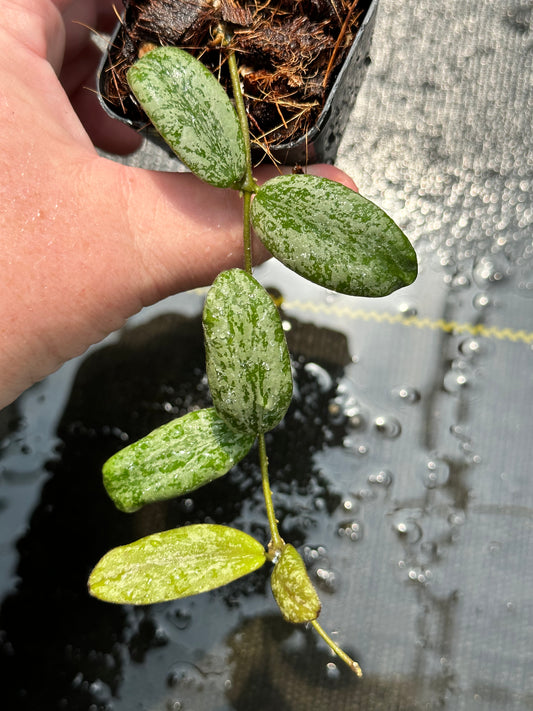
293, 591
192, 112
247, 361
176, 563
174, 459
332, 236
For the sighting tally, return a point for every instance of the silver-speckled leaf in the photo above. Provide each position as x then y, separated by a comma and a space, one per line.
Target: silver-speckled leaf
192, 112
332, 236
174, 459
173, 564
293, 591
247, 361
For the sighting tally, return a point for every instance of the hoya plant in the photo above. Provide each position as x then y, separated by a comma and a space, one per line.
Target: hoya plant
320, 229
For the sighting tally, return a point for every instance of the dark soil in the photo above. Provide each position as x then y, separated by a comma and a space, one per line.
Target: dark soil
289, 52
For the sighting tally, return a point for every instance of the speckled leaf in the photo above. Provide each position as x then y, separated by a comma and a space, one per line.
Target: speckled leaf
173, 564
332, 236
192, 112
248, 364
293, 591
174, 459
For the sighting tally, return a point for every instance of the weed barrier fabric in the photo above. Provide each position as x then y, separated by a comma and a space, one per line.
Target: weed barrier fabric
408, 488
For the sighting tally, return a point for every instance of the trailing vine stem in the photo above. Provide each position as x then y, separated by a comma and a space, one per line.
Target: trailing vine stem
248, 187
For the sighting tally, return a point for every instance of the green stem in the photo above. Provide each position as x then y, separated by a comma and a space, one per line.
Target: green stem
248, 185
277, 541
248, 182
354, 666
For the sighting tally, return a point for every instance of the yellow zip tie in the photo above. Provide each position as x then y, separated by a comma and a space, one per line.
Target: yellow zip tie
502, 334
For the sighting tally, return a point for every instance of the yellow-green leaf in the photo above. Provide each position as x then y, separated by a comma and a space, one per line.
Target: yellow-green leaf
174, 459
174, 564
293, 591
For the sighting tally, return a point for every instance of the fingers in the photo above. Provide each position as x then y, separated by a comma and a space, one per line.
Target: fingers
333, 173
78, 79
106, 133
324, 170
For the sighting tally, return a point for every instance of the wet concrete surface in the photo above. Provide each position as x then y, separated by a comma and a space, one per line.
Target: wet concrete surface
402, 472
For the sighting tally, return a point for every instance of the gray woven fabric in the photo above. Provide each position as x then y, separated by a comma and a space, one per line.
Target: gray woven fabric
414, 503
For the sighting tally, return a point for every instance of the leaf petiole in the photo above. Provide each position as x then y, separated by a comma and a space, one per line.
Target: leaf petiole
277, 543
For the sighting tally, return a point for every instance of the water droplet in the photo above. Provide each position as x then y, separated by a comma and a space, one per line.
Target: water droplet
312, 555
335, 412
381, 478
436, 473
457, 377
188, 505
346, 406
322, 377
470, 347
365, 494
456, 518
406, 527
356, 420
351, 408
185, 674
481, 301
357, 447
407, 309
349, 505
100, 691
351, 530
460, 281
327, 580
332, 671
419, 575
406, 394
465, 444
388, 426
319, 503
490, 269
181, 619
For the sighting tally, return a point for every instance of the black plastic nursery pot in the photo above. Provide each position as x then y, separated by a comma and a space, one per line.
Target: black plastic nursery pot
318, 143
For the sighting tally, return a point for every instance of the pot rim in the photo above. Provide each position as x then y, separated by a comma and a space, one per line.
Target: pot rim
302, 144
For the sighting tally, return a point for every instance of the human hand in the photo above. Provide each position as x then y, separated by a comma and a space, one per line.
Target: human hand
87, 242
